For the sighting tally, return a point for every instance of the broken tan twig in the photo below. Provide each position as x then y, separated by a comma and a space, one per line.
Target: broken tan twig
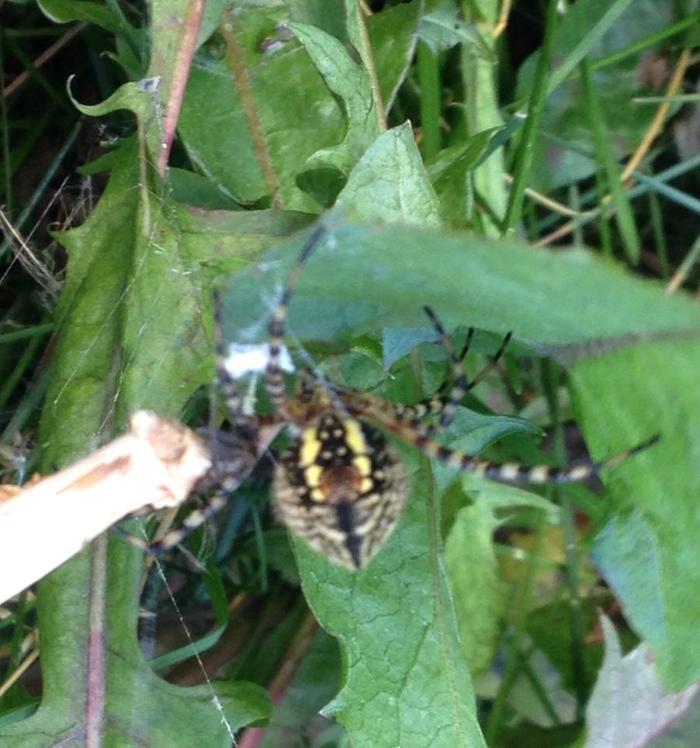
155, 465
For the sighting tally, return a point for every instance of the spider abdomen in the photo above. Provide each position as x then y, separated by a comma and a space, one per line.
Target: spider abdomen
341, 487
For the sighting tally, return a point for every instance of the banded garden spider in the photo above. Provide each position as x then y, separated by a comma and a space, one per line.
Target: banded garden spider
341, 485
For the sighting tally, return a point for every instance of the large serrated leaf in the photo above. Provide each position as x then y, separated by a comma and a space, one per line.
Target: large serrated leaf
363, 279
407, 682
130, 334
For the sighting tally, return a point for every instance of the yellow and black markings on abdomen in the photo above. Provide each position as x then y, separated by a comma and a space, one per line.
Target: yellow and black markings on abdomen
341, 487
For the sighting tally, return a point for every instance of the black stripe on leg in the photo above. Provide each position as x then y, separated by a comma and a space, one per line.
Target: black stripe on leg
459, 385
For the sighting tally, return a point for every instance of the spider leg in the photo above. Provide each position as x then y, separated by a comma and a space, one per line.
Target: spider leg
445, 402
274, 375
467, 344
229, 472
214, 504
234, 456
494, 359
195, 519
246, 432
460, 385
365, 408
234, 462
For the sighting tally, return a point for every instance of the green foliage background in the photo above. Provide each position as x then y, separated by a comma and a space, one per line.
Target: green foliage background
276, 126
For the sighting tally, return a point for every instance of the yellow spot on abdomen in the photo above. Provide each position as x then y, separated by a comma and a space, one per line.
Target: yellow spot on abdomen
354, 437
312, 474
363, 464
310, 447
367, 484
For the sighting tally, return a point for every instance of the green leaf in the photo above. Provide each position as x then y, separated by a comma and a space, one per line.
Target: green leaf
211, 19
501, 496
648, 550
400, 341
328, 15
64, 11
226, 241
130, 335
129, 40
390, 184
351, 83
405, 668
472, 432
555, 302
449, 174
213, 127
477, 590
443, 28
393, 34
136, 97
